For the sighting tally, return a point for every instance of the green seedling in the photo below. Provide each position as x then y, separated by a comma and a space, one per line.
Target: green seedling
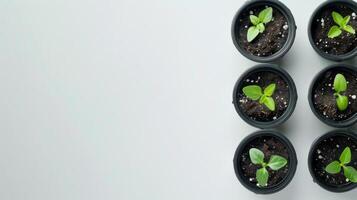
255, 93
264, 17
275, 163
342, 23
340, 85
348, 171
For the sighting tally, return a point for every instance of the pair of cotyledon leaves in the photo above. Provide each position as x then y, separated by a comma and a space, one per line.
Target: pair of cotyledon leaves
264, 17
342, 23
344, 159
255, 92
276, 162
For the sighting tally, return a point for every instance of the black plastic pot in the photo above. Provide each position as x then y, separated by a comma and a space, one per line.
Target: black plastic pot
292, 163
292, 95
310, 158
353, 5
338, 124
277, 5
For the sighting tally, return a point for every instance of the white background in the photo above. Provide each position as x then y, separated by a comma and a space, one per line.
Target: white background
131, 100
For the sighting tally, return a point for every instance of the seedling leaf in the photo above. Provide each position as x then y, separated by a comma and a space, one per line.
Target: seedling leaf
349, 29
262, 176
269, 90
342, 102
340, 83
276, 162
253, 92
350, 173
346, 20
269, 102
333, 168
252, 33
334, 32
261, 27
266, 15
256, 156
345, 156
262, 99
337, 17
254, 19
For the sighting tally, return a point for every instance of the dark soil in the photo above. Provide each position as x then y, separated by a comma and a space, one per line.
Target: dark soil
270, 41
321, 25
270, 146
323, 95
259, 112
330, 150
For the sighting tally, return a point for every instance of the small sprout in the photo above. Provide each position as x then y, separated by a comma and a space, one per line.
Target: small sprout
255, 93
342, 23
335, 167
264, 17
275, 163
340, 85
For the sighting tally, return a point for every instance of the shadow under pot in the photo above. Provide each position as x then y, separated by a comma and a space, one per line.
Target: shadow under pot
332, 30
263, 30
333, 161
333, 95
265, 96
265, 162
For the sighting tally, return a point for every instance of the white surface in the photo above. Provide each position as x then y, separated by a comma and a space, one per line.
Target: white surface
131, 100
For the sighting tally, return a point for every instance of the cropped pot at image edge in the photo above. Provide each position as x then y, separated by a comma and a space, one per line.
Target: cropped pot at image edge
332, 161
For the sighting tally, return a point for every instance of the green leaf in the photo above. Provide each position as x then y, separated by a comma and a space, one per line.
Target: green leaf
345, 156
254, 19
262, 176
269, 90
334, 32
337, 18
262, 99
266, 15
261, 27
269, 102
276, 162
349, 29
253, 92
252, 33
333, 168
342, 102
340, 83
350, 173
256, 156
346, 20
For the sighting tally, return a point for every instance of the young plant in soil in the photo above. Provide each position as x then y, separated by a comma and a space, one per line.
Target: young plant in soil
262, 30
275, 163
342, 23
333, 95
255, 92
333, 161
332, 30
340, 85
264, 17
265, 162
335, 167
264, 96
